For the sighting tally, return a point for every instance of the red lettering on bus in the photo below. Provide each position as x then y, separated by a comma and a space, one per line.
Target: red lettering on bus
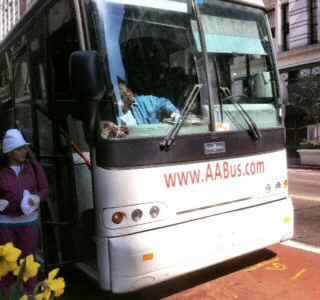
225, 170
209, 174
218, 172
213, 172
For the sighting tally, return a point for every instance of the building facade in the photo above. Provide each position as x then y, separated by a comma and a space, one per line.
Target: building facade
10, 13
295, 26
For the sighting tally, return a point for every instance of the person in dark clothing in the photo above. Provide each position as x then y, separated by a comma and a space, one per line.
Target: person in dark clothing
23, 185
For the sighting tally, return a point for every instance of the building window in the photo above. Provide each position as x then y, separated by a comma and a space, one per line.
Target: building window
271, 17
285, 26
313, 21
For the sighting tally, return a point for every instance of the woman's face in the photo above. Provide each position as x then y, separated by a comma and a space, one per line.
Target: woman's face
19, 155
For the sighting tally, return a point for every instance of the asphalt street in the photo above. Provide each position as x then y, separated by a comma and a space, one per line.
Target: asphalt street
304, 188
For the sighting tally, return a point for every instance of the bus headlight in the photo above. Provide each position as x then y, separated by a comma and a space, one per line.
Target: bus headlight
154, 211
136, 215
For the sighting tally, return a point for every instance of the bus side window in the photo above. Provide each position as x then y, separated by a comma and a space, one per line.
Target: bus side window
38, 75
22, 95
6, 104
4, 81
62, 41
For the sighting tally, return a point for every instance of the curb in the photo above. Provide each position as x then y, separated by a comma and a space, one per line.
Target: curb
302, 246
304, 167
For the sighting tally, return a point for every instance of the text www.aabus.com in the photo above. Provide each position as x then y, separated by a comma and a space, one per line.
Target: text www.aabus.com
213, 172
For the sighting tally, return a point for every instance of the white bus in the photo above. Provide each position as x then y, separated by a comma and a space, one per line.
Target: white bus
139, 199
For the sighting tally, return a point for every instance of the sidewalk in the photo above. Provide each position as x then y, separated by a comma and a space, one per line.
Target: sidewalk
303, 167
294, 163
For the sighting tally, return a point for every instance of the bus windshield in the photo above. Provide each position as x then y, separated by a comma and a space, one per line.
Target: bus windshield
240, 52
154, 59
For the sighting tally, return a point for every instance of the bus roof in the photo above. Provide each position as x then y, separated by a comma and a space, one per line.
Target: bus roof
175, 3
41, 4
259, 3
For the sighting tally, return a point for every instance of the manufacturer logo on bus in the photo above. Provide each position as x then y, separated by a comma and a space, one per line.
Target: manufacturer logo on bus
214, 148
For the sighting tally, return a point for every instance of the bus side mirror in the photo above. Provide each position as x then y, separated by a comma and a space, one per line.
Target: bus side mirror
86, 76
88, 87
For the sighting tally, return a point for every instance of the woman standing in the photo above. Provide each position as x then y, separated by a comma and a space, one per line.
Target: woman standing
23, 184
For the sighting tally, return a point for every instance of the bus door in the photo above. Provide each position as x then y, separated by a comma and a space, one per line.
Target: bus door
43, 145
73, 178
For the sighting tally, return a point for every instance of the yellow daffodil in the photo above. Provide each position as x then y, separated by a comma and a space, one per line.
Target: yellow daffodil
6, 267
8, 259
31, 268
45, 295
10, 253
24, 297
52, 274
57, 285
39, 296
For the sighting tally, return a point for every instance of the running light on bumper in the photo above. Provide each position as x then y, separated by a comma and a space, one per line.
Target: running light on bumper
148, 256
268, 188
277, 186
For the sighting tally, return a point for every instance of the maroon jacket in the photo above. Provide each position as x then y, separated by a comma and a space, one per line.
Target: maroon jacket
31, 178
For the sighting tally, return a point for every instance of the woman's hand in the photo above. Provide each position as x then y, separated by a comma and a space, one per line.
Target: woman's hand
111, 130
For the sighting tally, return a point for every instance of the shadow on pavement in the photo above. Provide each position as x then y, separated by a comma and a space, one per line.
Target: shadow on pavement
80, 287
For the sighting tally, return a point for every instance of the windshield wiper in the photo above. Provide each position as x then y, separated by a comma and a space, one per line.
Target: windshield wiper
253, 128
167, 142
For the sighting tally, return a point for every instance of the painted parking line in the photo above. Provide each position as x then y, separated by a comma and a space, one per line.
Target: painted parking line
302, 246
299, 274
304, 197
290, 274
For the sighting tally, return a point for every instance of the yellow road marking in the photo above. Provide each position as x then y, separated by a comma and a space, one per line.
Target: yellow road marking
276, 266
295, 277
261, 265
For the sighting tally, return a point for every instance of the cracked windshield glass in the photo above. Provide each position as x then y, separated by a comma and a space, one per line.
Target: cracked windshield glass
154, 60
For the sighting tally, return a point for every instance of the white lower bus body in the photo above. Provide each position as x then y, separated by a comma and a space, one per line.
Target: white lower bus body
231, 216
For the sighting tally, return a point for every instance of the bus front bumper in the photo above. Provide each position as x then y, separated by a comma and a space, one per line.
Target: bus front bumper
146, 258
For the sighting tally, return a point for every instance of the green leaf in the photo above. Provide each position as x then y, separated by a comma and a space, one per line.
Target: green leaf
2, 296
15, 292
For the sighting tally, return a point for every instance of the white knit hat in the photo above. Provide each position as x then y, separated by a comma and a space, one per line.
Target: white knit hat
12, 140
